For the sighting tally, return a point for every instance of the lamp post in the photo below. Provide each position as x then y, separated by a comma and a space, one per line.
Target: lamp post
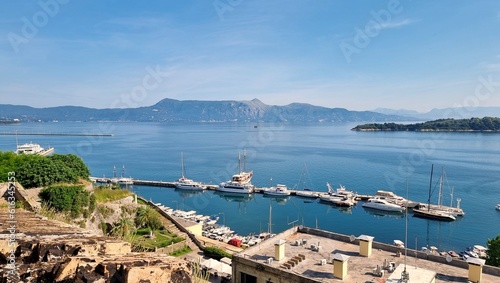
224, 219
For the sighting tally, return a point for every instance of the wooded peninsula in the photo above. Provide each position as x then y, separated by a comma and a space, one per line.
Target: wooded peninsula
486, 124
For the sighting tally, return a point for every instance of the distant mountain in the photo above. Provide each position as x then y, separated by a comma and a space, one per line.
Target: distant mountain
171, 110
455, 113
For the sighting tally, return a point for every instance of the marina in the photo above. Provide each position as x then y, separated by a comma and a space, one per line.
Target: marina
333, 154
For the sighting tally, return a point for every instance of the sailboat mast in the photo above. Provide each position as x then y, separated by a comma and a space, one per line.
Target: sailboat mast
239, 163
430, 190
182, 164
269, 229
244, 160
440, 196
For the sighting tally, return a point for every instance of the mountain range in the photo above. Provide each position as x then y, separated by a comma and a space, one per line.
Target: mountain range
171, 110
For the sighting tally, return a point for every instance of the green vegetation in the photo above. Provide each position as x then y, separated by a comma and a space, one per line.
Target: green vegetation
181, 252
216, 253
124, 227
40, 171
142, 241
72, 199
148, 217
104, 194
486, 124
493, 252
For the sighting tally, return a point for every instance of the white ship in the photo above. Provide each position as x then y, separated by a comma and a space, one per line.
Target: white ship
33, 148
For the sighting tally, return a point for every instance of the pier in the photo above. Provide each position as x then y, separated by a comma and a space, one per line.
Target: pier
57, 134
212, 187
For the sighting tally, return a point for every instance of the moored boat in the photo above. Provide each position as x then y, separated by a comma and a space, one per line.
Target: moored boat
184, 183
279, 190
33, 148
381, 204
240, 183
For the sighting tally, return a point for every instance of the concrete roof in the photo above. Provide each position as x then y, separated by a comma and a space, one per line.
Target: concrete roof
360, 268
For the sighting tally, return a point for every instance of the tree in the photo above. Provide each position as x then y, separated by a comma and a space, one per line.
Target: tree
493, 252
124, 227
148, 217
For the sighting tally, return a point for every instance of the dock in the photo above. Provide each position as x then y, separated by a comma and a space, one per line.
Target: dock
56, 134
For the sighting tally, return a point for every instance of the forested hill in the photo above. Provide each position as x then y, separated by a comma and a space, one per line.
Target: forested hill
486, 124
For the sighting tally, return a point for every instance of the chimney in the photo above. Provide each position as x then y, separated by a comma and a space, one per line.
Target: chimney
340, 265
365, 245
475, 269
279, 250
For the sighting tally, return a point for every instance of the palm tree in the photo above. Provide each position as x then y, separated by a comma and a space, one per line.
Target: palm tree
123, 227
148, 217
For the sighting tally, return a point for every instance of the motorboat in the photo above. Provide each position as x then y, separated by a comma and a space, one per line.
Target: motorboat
381, 204
184, 183
393, 198
497, 207
33, 148
338, 201
279, 190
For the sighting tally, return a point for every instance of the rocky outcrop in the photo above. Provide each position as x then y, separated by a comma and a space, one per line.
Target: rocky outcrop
51, 251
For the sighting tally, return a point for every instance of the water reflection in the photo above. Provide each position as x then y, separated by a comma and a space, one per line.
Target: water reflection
234, 197
382, 213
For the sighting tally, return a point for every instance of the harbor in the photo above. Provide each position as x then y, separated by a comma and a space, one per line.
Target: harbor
333, 154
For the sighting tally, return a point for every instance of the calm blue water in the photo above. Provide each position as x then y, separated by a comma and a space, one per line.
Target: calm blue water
362, 161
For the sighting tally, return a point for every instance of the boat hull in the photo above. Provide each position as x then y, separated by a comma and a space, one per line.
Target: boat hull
429, 214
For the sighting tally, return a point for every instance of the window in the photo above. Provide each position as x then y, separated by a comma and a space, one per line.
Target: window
247, 278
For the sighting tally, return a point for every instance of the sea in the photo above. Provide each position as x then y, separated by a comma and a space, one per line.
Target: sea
299, 156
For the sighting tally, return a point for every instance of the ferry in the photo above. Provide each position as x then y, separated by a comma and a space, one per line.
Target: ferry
33, 148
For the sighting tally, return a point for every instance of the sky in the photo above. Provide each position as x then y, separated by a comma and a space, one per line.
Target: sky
358, 55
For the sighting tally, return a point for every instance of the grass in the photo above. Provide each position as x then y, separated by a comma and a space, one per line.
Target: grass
103, 195
161, 239
181, 252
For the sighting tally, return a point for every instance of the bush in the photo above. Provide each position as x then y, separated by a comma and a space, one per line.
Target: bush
66, 199
216, 253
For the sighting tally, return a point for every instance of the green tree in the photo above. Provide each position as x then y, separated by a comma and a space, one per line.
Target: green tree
124, 227
148, 217
493, 252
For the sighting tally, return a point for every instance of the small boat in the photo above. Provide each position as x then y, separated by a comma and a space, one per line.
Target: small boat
453, 254
279, 190
184, 183
381, 204
33, 148
307, 194
338, 201
497, 207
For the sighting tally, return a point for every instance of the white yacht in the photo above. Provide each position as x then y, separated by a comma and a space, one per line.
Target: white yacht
33, 148
279, 190
381, 204
184, 183
239, 183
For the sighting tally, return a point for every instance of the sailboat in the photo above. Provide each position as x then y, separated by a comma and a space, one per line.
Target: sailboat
184, 183
240, 182
305, 192
434, 212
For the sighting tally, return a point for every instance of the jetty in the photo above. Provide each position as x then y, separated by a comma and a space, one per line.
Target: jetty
56, 134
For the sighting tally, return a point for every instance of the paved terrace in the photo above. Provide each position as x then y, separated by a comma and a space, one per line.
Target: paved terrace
360, 268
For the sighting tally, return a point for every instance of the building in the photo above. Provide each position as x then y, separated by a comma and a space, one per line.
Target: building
307, 255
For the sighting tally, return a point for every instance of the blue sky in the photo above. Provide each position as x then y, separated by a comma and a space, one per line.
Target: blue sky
358, 55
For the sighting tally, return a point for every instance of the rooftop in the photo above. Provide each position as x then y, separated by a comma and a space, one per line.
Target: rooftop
316, 263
